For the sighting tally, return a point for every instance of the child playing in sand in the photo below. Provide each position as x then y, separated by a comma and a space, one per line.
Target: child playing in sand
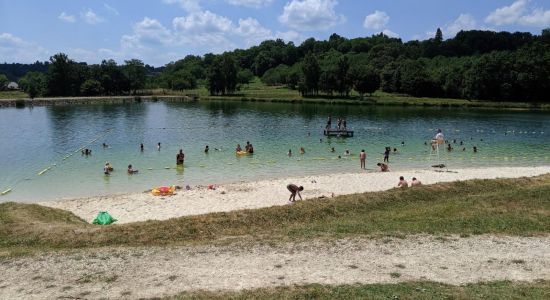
294, 189
383, 167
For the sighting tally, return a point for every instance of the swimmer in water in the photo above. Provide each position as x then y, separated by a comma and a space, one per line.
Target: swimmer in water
302, 150
383, 167
206, 149
158, 146
332, 149
289, 152
131, 170
363, 158
141, 147
180, 157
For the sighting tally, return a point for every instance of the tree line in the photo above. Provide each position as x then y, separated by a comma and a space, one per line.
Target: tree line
474, 64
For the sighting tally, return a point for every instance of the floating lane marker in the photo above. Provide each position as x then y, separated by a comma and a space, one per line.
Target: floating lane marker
149, 168
44, 171
5, 192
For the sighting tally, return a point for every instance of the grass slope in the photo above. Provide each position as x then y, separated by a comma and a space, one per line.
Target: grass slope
502, 206
410, 290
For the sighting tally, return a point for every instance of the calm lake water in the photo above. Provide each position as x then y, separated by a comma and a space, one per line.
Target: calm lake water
33, 139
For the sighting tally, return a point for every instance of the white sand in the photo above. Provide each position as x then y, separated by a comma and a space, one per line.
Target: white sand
132, 273
143, 206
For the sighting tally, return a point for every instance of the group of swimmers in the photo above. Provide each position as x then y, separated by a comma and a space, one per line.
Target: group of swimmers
439, 139
248, 148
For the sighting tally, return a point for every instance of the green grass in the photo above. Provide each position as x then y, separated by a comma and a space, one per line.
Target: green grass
13, 95
503, 206
500, 290
257, 91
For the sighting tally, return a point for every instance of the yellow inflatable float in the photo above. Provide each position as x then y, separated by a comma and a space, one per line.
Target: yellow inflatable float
241, 153
163, 191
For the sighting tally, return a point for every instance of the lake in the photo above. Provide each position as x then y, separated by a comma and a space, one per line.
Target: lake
50, 138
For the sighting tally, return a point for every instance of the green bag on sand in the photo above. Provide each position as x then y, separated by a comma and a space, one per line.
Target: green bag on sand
104, 218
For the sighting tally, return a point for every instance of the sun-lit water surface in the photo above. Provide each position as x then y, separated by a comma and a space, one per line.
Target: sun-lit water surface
33, 139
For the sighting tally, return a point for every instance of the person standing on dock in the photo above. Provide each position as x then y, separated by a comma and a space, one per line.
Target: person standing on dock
344, 123
363, 158
180, 158
329, 122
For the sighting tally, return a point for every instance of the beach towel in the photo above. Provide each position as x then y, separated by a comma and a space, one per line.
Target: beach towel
104, 218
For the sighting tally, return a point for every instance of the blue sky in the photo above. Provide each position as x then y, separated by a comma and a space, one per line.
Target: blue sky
160, 31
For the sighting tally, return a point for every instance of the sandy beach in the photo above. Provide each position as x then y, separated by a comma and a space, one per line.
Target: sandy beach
143, 206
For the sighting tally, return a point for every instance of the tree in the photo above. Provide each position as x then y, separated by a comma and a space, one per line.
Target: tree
438, 35
91, 87
343, 85
33, 83
311, 71
59, 78
222, 75
3, 82
134, 70
215, 77
365, 79
244, 77
229, 71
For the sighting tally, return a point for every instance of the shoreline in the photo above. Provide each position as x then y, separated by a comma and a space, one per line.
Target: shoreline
27, 102
136, 207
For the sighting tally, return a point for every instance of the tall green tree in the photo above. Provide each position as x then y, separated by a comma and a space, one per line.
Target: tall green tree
134, 70
365, 79
59, 81
438, 36
311, 70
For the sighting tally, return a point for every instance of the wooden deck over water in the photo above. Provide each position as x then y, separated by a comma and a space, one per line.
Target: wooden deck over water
339, 133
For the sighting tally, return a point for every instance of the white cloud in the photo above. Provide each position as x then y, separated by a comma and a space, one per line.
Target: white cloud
111, 9
251, 30
390, 33
290, 36
250, 3
463, 22
91, 17
202, 22
376, 20
66, 17
187, 5
15, 49
538, 18
519, 12
310, 14
507, 14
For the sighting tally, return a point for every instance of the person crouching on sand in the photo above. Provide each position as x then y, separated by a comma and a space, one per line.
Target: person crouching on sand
383, 167
294, 189
402, 182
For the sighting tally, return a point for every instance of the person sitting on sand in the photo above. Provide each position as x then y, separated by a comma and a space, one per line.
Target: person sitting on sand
362, 158
238, 149
302, 150
180, 157
131, 170
415, 182
402, 182
383, 167
206, 149
294, 189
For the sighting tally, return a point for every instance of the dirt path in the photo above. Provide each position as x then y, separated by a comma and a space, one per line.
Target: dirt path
148, 272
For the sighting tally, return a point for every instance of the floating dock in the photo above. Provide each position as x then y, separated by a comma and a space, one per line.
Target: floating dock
338, 133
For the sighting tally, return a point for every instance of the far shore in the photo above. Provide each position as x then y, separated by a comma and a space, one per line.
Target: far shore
383, 100
135, 207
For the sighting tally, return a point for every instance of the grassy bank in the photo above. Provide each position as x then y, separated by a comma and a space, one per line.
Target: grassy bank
259, 92
410, 290
503, 206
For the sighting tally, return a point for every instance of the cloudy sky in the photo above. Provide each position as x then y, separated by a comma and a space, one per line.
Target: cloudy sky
160, 31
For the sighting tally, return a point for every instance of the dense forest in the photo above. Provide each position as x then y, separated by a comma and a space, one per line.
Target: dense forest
475, 64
